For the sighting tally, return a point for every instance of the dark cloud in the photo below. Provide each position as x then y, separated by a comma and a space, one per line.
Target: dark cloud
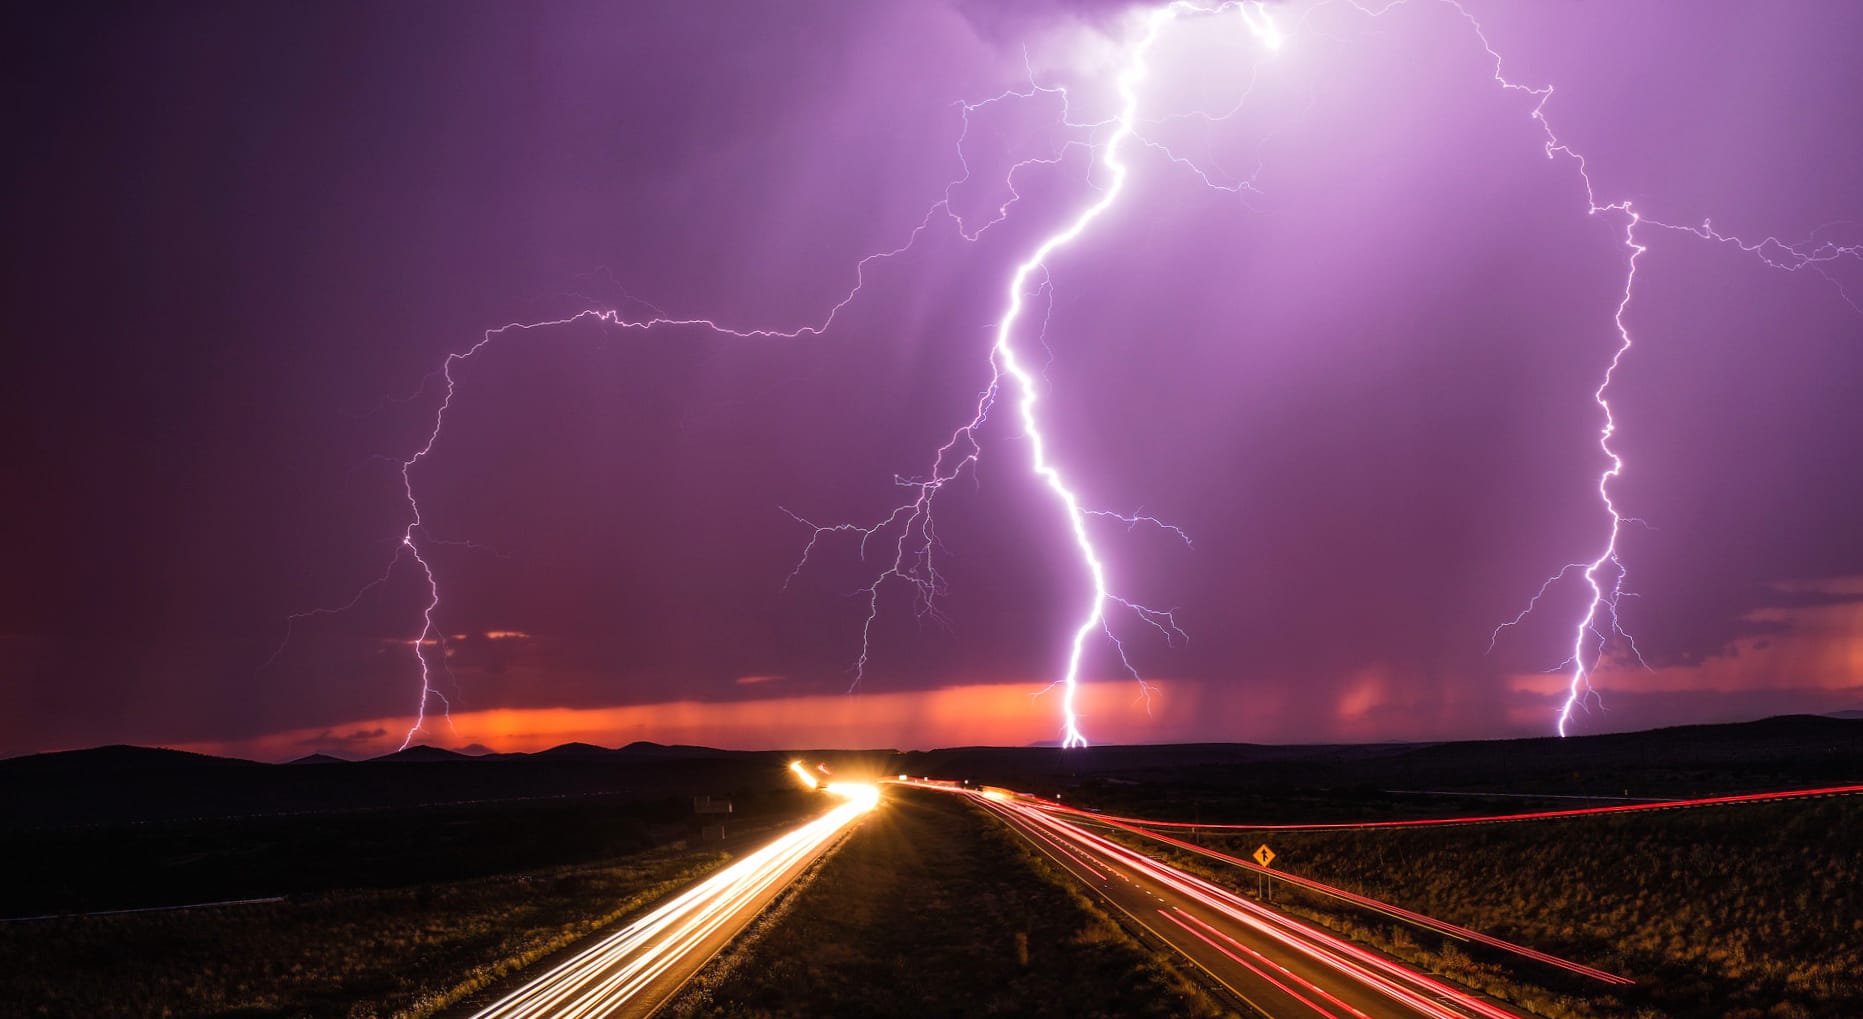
327, 738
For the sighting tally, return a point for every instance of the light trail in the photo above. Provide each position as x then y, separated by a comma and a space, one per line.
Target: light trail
1180, 919
1210, 917
1427, 822
617, 969
803, 775
1396, 912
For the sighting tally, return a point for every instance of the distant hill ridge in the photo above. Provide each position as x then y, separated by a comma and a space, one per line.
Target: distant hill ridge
1847, 725
421, 753
318, 759
120, 756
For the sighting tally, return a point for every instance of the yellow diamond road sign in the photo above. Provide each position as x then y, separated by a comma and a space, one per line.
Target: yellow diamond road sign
1264, 855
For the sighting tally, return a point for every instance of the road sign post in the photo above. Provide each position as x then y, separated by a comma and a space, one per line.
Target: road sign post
1264, 886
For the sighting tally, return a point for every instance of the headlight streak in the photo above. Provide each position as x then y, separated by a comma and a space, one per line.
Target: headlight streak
802, 774
860, 794
616, 968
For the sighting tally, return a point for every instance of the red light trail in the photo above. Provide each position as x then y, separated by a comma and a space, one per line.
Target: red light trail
1396, 912
1538, 815
1291, 958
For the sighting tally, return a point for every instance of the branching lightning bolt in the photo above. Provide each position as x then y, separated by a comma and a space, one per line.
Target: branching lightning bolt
1604, 575
1007, 361
916, 542
908, 534
414, 534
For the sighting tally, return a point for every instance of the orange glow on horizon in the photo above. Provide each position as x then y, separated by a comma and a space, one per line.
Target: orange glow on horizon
1001, 714
1811, 661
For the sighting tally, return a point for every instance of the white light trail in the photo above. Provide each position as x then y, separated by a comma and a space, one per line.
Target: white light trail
615, 969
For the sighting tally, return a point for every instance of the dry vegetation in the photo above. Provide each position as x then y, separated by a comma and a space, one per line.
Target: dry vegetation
395, 952
1749, 912
928, 909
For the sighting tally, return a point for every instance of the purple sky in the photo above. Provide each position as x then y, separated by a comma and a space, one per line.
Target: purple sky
241, 235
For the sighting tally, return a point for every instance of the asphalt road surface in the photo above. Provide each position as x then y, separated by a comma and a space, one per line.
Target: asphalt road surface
1284, 968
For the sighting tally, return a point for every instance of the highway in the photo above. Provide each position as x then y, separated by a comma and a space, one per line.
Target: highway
1282, 967
630, 973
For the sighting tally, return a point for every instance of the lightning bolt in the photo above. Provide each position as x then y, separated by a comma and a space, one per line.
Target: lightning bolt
916, 540
1006, 361
908, 532
916, 543
1604, 574
414, 534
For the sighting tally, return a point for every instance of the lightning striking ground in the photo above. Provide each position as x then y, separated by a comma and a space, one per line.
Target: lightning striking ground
1604, 574
1009, 362
908, 532
910, 528
916, 543
409, 544
1598, 625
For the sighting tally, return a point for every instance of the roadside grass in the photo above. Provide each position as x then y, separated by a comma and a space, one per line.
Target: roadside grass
931, 908
1743, 912
406, 952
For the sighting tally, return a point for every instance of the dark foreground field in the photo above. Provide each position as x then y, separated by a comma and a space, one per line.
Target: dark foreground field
355, 953
933, 909
392, 888
1735, 912
1740, 911
403, 886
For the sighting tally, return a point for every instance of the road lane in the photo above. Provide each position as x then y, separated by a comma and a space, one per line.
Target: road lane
630, 973
1281, 967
